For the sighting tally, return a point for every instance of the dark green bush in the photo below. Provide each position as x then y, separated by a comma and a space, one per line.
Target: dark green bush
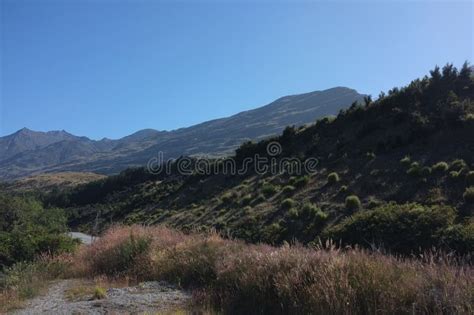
457, 165
313, 212
460, 237
440, 167
27, 229
402, 228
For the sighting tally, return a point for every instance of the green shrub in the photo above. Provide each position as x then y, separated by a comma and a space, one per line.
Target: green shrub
469, 117
288, 190
343, 189
460, 237
457, 165
406, 161
469, 195
288, 203
269, 189
273, 233
402, 228
454, 175
293, 213
353, 203
313, 212
27, 230
440, 167
333, 178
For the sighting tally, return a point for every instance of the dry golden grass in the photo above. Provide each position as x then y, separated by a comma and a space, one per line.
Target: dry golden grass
49, 181
234, 277
228, 276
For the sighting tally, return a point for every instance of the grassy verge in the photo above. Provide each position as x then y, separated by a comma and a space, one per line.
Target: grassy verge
27, 279
234, 277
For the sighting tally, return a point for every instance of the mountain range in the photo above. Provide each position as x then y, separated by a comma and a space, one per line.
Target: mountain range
28, 152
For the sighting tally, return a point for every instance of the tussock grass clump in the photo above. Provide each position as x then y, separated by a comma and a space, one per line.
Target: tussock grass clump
457, 165
440, 167
333, 178
454, 175
99, 293
343, 189
353, 203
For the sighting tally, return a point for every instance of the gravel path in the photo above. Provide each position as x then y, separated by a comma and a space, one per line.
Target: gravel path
147, 297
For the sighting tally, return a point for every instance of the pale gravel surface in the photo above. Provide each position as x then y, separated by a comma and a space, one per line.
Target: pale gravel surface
145, 298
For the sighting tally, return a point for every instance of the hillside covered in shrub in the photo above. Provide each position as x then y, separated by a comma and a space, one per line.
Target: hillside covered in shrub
396, 173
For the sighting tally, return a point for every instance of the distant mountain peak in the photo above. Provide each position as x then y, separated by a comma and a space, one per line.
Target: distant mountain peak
24, 130
37, 152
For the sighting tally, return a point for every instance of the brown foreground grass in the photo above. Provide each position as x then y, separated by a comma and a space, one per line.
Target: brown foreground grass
233, 277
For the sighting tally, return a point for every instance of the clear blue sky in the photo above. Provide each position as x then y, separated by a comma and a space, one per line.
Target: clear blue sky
108, 68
